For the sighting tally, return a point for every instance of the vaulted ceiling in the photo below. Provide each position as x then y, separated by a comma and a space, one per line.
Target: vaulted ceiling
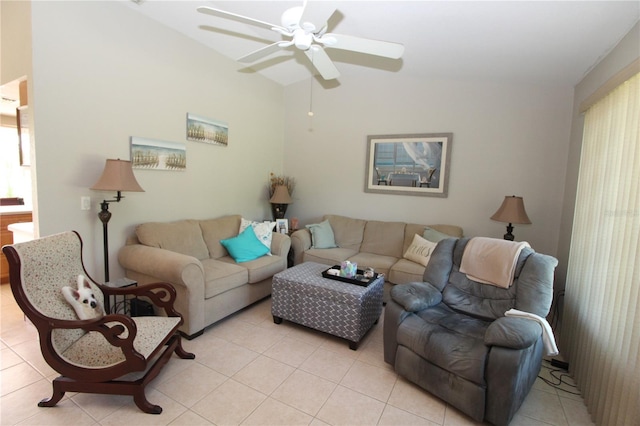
548, 42
537, 42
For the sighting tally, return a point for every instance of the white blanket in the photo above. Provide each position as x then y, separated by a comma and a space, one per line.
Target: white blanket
547, 333
491, 261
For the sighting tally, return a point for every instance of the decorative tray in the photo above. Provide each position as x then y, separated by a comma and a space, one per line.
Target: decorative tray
359, 279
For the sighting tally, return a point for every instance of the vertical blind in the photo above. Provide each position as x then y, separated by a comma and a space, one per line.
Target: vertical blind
601, 331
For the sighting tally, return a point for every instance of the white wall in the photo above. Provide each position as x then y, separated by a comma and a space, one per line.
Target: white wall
103, 73
508, 139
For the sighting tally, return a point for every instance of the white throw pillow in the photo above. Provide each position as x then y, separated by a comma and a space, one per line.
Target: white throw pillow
262, 230
420, 250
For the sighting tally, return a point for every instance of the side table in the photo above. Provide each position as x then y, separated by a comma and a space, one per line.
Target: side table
124, 304
290, 255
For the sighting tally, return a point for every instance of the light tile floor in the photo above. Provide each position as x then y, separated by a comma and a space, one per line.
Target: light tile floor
251, 371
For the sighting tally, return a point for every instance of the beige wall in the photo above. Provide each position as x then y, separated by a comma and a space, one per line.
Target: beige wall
622, 55
15, 43
102, 73
15, 65
508, 139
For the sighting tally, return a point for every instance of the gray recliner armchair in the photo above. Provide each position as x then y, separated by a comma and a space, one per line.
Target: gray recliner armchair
450, 336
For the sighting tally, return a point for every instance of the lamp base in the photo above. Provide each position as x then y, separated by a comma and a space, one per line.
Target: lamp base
104, 216
509, 236
278, 210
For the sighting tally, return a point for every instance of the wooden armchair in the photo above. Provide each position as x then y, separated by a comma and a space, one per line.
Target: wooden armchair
115, 354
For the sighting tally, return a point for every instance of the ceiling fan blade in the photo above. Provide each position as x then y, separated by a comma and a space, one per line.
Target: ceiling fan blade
317, 14
321, 61
264, 51
240, 18
385, 49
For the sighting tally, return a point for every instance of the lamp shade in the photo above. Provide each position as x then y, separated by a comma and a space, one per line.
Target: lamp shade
117, 176
512, 211
281, 195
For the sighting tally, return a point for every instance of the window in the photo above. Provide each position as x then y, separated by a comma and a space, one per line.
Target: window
602, 296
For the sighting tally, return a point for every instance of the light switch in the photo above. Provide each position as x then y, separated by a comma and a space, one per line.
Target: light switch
85, 203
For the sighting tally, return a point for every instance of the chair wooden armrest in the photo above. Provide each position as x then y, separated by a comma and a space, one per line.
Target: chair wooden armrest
163, 295
114, 354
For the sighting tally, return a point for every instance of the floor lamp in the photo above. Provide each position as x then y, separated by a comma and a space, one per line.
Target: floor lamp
511, 211
117, 176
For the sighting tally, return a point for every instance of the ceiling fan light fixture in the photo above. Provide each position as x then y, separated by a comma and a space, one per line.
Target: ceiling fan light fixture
302, 39
304, 34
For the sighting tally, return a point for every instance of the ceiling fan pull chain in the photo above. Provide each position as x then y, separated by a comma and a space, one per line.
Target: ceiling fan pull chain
310, 113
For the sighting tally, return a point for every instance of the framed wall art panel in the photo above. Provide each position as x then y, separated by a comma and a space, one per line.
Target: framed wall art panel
412, 164
201, 129
151, 154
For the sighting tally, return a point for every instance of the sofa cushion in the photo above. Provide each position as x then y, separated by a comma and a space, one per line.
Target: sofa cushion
379, 263
435, 235
347, 231
221, 276
184, 237
261, 268
405, 271
450, 340
416, 296
414, 228
471, 297
263, 230
214, 230
383, 238
329, 257
420, 250
245, 247
321, 235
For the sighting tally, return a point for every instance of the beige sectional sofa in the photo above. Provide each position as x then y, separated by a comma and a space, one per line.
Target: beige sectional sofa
369, 243
210, 283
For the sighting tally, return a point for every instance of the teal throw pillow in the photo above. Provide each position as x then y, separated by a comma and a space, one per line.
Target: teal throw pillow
433, 235
322, 235
245, 247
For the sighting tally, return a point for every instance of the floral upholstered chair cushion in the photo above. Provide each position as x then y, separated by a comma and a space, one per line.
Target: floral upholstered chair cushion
54, 262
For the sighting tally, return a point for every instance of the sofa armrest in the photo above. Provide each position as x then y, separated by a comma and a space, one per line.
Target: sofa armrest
300, 242
168, 266
416, 296
280, 244
513, 333
186, 273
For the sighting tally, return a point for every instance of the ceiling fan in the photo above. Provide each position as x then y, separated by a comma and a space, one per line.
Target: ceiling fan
310, 38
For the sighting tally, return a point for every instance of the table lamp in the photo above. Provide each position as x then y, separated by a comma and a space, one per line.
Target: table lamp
117, 176
511, 211
280, 200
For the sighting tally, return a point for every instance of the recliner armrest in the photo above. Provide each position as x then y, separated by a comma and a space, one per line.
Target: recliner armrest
511, 332
416, 296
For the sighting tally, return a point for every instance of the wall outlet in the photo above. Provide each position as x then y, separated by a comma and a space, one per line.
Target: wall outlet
85, 203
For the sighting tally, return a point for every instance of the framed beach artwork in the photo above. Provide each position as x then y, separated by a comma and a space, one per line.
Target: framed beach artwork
151, 154
201, 129
412, 164
282, 226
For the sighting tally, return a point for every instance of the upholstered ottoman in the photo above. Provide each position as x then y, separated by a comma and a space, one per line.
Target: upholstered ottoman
302, 295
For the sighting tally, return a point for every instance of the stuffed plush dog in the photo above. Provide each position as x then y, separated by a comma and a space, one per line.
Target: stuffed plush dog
82, 300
